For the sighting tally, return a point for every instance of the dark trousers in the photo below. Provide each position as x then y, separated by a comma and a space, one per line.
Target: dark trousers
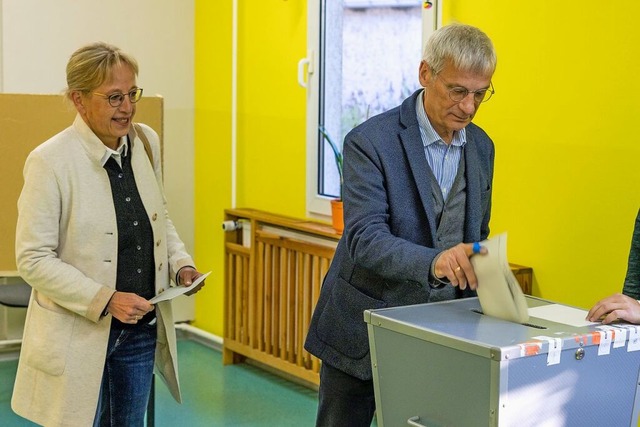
344, 401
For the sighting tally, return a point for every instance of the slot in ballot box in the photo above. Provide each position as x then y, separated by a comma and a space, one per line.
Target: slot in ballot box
447, 364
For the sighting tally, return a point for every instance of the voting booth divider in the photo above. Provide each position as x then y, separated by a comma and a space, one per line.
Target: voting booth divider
26, 121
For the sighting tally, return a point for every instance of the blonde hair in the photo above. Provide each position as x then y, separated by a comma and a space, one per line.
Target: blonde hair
91, 65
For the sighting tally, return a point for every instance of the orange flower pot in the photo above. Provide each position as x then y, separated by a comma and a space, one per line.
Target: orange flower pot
337, 216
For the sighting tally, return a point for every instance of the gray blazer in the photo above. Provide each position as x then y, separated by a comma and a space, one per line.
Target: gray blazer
384, 256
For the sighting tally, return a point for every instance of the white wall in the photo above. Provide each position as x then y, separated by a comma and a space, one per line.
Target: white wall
37, 37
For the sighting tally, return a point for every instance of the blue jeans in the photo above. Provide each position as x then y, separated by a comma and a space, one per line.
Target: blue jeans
126, 382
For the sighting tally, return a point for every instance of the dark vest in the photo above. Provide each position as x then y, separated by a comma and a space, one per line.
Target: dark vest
136, 265
450, 215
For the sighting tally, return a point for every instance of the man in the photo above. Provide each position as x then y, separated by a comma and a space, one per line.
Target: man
417, 183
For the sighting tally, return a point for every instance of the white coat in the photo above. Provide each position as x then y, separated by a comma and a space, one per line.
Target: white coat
66, 249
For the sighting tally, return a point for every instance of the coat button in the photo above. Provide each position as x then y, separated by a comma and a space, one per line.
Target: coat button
154, 217
160, 267
158, 242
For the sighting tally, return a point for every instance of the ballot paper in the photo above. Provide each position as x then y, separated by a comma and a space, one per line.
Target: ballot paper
176, 291
498, 290
562, 314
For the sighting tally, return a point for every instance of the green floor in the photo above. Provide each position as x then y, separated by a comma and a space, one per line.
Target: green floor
212, 394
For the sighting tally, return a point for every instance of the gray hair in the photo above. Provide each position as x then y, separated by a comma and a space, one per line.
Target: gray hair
91, 65
468, 49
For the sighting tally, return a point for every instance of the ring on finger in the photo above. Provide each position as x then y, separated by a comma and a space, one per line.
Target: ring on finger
457, 269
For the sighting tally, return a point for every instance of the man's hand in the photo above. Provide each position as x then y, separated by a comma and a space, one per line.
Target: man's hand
128, 307
615, 307
454, 264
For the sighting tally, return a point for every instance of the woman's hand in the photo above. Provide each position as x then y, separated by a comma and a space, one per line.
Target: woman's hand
187, 276
128, 307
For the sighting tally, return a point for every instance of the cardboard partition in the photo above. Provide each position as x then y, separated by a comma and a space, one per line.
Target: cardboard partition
26, 121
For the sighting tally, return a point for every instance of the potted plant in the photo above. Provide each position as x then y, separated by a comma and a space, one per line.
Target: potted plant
337, 216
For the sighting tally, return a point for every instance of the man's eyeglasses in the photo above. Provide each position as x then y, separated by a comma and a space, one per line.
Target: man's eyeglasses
458, 93
116, 99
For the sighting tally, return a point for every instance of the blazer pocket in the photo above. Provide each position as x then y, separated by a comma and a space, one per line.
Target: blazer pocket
341, 324
47, 338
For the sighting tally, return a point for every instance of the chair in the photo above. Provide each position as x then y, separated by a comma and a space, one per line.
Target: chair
15, 295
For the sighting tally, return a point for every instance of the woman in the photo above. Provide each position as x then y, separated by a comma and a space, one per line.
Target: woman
95, 242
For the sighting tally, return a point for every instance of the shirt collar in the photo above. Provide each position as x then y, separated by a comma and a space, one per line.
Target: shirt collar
122, 150
429, 134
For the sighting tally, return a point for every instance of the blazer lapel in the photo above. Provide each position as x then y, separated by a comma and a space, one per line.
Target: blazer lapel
473, 216
412, 142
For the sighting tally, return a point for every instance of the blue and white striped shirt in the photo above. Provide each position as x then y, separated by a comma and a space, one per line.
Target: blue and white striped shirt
442, 158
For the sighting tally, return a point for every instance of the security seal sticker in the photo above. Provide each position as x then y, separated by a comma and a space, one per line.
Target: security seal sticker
619, 334
605, 342
634, 339
555, 349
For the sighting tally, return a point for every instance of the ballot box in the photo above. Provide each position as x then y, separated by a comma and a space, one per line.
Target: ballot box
447, 364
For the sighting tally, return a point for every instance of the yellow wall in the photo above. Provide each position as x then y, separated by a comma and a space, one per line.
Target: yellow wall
562, 119
212, 152
271, 106
271, 126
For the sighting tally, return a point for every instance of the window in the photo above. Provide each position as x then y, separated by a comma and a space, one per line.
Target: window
363, 59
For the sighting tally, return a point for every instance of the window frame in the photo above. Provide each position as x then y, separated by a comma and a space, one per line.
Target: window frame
318, 206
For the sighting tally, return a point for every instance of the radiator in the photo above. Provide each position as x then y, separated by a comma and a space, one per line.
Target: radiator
272, 284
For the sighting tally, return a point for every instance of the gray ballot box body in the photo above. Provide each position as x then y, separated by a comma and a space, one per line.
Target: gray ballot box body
447, 364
